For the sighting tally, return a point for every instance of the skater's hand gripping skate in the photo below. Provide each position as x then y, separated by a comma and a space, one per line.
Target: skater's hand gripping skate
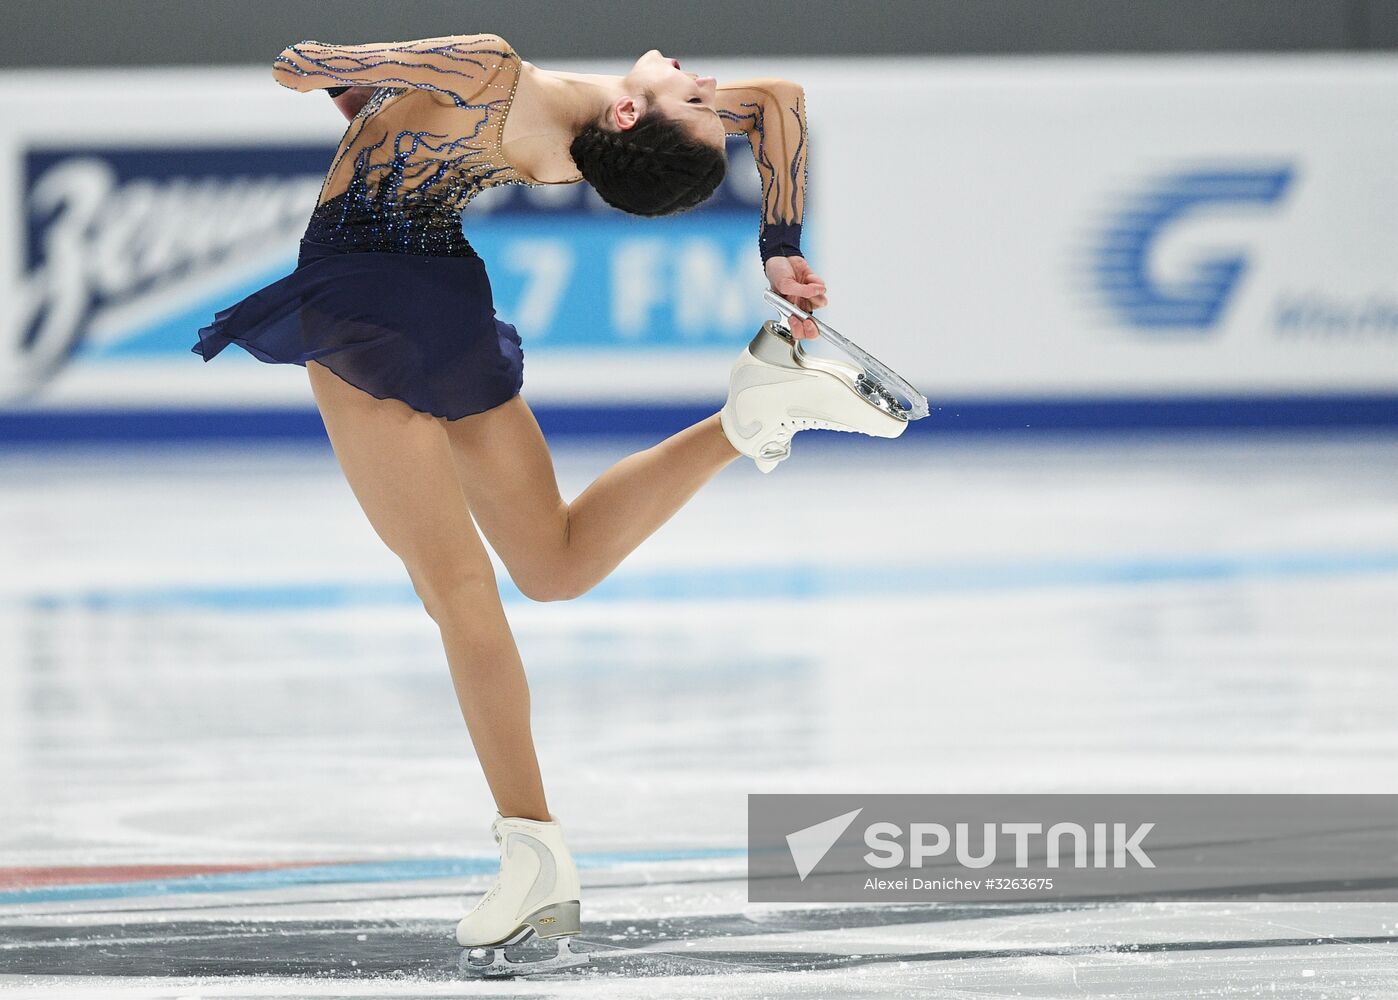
793, 279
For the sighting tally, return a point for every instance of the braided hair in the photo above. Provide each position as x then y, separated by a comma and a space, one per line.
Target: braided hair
653, 168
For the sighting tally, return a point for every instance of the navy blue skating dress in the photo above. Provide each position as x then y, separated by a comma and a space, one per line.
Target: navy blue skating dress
387, 293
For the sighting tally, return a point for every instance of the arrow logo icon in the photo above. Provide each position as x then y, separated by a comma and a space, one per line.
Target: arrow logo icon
808, 846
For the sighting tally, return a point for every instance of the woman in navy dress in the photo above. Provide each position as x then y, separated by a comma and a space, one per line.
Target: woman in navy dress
418, 381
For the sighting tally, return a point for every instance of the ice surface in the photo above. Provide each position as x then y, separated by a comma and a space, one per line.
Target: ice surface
208, 659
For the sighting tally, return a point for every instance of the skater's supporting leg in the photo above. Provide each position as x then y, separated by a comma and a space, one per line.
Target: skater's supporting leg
399, 465
555, 550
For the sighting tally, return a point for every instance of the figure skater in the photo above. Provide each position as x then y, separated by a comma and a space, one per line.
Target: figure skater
418, 382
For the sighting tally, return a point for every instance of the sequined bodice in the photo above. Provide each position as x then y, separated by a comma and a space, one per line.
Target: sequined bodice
358, 224
414, 156
431, 138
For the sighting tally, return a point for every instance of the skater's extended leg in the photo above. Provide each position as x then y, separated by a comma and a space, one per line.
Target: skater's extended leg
553, 549
399, 465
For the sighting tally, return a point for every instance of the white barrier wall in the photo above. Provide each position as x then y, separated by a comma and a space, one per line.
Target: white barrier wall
1130, 226
1047, 229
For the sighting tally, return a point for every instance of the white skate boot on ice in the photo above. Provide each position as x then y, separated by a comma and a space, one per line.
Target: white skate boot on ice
537, 894
777, 389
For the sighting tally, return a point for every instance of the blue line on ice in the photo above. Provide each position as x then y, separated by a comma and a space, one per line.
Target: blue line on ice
405, 870
748, 582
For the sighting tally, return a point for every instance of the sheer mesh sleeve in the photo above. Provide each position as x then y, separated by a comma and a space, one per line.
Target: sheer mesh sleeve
454, 65
772, 114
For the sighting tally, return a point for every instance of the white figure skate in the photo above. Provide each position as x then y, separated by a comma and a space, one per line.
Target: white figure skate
537, 894
777, 389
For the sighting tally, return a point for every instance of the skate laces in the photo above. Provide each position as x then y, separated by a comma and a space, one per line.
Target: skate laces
494, 888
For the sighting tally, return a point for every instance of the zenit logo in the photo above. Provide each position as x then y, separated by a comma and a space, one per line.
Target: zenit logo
124, 236
891, 845
1122, 257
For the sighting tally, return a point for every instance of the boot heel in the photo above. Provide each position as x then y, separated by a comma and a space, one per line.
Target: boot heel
557, 920
773, 345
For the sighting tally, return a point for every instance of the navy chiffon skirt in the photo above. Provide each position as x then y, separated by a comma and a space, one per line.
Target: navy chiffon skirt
412, 327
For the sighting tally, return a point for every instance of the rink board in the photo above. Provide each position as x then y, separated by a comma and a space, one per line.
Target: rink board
1088, 242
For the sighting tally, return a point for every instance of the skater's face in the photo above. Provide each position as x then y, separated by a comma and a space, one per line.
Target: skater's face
657, 83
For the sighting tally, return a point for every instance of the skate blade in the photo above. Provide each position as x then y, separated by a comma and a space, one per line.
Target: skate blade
774, 345
883, 380
870, 390
492, 963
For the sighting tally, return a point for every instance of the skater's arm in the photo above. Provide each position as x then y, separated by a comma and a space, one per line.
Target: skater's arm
772, 114
453, 64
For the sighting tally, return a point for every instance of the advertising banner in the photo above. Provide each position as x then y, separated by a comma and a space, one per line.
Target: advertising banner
1212, 238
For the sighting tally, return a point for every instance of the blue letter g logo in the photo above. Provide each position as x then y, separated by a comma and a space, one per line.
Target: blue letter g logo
1119, 259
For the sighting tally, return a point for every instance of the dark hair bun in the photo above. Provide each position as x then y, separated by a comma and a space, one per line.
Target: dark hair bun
653, 168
